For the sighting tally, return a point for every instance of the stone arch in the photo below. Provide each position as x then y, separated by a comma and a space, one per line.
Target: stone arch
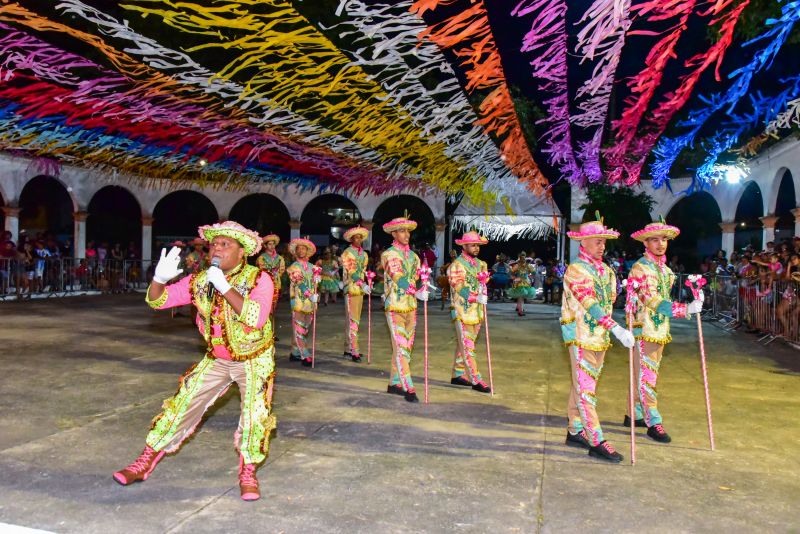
777, 183
327, 217
47, 205
178, 214
698, 216
785, 201
749, 208
115, 216
263, 213
396, 206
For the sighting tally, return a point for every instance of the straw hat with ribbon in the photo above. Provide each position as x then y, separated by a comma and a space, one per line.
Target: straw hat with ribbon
310, 246
249, 239
656, 229
592, 229
472, 238
354, 231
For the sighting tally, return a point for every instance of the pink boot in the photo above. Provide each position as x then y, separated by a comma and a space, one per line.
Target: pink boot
248, 483
141, 468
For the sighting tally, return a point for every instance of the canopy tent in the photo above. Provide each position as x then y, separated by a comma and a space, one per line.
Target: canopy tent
531, 217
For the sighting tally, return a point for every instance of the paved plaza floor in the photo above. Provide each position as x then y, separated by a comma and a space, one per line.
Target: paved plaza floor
82, 378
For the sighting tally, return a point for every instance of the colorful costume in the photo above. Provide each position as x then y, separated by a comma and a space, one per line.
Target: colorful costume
400, 265
330, 276
275, 266
651, 324
521, 281
466, 312
590, 289
302, 287
239, 349
354, 263
196, 260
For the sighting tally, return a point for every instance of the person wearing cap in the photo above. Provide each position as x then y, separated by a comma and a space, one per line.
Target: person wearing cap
651, 325
233, 300
467, 298
273, 263
590, 289
303, 298
354, 264
401, 265
196, 260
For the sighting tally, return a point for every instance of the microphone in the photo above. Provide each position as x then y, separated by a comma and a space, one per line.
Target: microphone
214, 263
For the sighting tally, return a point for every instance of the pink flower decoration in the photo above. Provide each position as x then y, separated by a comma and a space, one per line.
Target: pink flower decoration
483, 277
424, 273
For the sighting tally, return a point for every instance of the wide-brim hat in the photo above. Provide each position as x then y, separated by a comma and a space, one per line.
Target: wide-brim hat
198, 241
400, 223
312, 248
249, 239
655, 229
354, 231
472, 238
271, 237
592, 229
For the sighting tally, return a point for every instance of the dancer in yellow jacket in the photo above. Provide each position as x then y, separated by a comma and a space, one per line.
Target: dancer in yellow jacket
354, 264
303, 298
652, 322
467, 299
273, 263
400, 265
590, 288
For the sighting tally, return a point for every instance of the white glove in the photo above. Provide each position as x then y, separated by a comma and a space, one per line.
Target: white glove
217, 277
625, 336
314, 298
482, 299
167, 267
365, 288
422, 295
696, 306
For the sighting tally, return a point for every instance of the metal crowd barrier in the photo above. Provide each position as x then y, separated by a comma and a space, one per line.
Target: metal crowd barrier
54, 277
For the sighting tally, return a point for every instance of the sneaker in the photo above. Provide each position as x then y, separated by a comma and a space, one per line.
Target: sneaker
460, 381
639, 422
605, 451
248, 483
577, 440
658, 433
141, 468
482, 387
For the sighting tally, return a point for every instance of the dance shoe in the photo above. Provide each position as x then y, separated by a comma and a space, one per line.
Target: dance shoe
460, 381
658, 433
248, 483
347, 354
295, 358
482, 387
639, 422
605, 451
307, 362
396, 389
411, 396
577, 440
356, 358
141, 468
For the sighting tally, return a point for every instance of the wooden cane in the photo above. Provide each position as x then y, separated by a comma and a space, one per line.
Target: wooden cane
483, 277
631, 406
369, 318
695, 283
424, 273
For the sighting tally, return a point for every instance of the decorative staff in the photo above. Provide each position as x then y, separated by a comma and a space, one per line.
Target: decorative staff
632, 284
483, 278
695, 282
317, 270
370, 277
424, 273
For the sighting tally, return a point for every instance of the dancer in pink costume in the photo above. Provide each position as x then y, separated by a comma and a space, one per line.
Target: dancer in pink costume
303, 298
590, 288
401, 267
652, 322
354, 265
467, 301
233, 301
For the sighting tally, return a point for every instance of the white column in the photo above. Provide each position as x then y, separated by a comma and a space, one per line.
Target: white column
12, 221
147, 240
294, 229
367, 243
728, 235
79, 234
795, 212
769, 222
574, 245
440, 230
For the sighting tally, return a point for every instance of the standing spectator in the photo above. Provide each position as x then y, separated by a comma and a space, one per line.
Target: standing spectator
549, 282
501, 277
28, 260
428, 255
40, 255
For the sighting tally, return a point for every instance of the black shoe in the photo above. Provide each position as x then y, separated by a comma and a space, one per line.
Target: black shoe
275, 338
356, 358
460, 381
397, 390
295, 358
411, 396
306, 362
577, 440
639, 422
347, 354
605, 451
483, 387
658, 433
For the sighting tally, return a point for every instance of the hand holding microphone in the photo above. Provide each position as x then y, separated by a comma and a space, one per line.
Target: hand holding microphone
216, 279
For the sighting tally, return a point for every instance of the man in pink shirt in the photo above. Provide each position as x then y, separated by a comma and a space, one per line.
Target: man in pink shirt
233, 301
